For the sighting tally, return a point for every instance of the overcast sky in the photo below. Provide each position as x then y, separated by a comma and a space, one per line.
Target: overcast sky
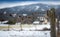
12, 3
25, 0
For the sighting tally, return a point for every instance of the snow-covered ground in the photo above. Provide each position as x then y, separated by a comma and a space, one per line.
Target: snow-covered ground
24, 33
25, 27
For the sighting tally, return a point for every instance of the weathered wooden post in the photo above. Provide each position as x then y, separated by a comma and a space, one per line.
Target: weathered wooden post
51, 15
58, 26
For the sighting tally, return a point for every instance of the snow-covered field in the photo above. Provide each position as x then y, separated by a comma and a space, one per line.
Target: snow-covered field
24, 33
18, 27
24, 27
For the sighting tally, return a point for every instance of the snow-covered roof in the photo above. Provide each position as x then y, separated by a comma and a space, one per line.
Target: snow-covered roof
36, 22
3, 22
24, 14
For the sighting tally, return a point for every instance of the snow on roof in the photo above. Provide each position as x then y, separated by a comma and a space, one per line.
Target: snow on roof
36, 22
24, 14
3, 21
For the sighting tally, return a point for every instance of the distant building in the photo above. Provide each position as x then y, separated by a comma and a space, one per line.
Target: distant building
42, 18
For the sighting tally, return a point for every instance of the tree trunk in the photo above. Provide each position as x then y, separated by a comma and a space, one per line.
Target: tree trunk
58, 25
53, 25
53, 28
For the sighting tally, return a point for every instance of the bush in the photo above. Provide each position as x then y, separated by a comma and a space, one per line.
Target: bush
46, 28
11, 22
